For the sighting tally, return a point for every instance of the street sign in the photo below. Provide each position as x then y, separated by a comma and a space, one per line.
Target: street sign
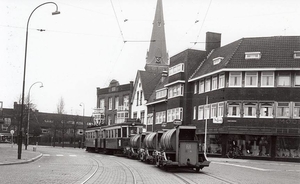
218, 120
177, 122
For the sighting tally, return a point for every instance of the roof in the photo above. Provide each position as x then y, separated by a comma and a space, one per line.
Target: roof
149, 80
276, 52
160, 85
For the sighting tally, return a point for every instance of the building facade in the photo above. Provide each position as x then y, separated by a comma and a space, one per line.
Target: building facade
248, 94
113, 103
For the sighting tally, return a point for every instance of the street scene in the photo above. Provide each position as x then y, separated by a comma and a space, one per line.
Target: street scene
74, 165
152, 91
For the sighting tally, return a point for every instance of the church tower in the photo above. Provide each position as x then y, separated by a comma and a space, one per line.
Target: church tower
157, 59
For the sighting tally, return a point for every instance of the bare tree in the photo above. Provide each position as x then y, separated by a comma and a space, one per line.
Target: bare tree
61, 106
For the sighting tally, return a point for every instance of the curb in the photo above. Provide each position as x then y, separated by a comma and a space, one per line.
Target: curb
23, 162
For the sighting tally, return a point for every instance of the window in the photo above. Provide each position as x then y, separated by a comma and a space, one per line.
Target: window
116, 102
201, 86
214, 110
296, 54
221, 81
176, 113
297, 79
266, 110
102, 101
150, 119
201, 112
207, 84
251, 79
235, 79
137, 98
296, 110
284, 79
252, 55
220, 109
194, 112
126, 101
176, 69
141, 98
250, 110
109, 119
206, 111
176, 90
283, 110
135, 115
214, 83
161, 93
217, 60
267, 79
195, 87
233, 109
160, 117
110, 104
142, 116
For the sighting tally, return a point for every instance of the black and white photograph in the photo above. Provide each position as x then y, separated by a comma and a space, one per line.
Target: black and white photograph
149, 92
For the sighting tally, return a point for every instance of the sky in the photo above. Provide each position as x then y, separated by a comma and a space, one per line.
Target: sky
94, 41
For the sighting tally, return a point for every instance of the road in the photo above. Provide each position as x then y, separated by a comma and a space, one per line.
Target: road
73, 165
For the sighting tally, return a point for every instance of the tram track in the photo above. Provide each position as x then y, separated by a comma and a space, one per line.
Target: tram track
89, 178
223, 180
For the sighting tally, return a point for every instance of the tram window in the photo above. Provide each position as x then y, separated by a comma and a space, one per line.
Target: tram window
124, 129
119, 132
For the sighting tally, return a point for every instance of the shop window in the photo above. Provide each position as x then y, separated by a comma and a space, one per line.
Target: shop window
288, 147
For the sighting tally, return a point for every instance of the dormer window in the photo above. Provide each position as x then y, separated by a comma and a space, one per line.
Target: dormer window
217, 60
296, 54
252, 55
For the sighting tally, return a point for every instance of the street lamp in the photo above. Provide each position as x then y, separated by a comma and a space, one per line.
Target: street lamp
23, 89
27, 135
82, 139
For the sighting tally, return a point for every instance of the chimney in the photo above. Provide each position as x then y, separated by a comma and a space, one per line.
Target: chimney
164, 75
213, 41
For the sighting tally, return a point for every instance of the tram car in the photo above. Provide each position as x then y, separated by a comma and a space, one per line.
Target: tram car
179, 148
111, 139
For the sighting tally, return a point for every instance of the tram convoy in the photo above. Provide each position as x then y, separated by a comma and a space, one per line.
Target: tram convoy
172, 148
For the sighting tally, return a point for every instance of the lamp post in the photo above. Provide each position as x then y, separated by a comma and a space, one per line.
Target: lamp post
23, 89
27, 134
83, 107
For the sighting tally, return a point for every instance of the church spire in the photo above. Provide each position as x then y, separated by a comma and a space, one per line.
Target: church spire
157, 56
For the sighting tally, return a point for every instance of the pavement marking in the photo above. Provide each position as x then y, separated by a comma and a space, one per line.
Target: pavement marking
59, 155
46, 155
248, 167
73, 155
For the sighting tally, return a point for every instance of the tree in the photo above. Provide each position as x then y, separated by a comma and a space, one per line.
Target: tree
60, 110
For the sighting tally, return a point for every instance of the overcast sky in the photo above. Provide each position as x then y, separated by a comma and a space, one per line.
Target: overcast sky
94, 41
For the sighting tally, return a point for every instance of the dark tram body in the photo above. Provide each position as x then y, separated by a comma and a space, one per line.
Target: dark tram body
172, 148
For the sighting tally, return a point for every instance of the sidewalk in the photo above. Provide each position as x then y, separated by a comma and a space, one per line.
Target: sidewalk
9, 154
